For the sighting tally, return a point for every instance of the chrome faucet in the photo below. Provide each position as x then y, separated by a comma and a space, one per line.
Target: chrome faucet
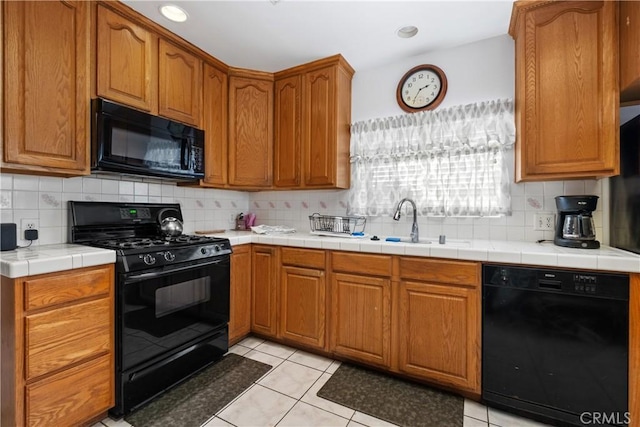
414, 228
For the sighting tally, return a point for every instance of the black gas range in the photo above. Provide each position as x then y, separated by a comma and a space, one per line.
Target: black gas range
171, 296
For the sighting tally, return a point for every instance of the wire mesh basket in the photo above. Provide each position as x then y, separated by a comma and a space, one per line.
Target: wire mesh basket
330, 225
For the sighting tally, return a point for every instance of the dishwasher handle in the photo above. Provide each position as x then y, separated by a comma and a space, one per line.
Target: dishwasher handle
555, 285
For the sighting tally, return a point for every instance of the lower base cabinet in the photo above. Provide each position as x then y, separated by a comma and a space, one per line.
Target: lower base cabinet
264, 290
302, 296
439, 321
240, 294
362, 318
57, 361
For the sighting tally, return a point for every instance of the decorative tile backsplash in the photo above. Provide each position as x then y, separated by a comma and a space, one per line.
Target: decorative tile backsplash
45, 199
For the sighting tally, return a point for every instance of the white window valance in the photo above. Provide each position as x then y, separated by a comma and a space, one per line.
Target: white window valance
450, 161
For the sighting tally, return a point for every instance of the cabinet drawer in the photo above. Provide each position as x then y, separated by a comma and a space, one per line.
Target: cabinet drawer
371, 265
57, 288
71, 397
58, 338
440, 271
303, 257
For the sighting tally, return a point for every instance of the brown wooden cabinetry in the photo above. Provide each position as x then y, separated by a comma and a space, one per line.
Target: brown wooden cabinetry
250, 128
127, 62
629, 52
439, 321
303, 296
46, 86
138, 68
180, 83
264, 290
313, 115
361, 307
240, 293
57, 351
566, 89
214, 122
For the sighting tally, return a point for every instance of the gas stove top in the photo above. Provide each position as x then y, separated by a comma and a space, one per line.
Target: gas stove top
132, 230
154, 242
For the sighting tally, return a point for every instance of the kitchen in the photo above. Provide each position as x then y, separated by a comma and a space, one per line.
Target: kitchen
45, 198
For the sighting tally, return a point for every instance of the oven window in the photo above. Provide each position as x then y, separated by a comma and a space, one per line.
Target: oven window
182, 295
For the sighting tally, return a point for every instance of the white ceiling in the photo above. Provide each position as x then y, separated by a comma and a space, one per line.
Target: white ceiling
261, 35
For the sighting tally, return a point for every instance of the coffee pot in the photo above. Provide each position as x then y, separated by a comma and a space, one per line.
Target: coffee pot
575, 227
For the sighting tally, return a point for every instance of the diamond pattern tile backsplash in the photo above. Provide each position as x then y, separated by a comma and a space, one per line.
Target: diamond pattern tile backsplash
45, 199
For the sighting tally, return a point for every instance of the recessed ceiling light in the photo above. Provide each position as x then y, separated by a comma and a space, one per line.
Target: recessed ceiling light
173, 13
407, 32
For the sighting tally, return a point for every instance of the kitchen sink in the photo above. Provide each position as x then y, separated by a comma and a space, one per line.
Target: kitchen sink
457, 243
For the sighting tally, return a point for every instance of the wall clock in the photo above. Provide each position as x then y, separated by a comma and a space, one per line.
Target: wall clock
421, 88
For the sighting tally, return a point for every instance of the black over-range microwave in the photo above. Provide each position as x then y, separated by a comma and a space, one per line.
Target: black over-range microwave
133, 142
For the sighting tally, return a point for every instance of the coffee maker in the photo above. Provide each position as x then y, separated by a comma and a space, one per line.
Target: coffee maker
575, 228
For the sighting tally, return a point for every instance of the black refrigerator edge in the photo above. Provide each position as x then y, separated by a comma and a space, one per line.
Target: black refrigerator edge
625, 191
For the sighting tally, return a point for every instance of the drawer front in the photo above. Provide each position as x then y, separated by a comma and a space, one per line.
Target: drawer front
71, 397
440, 271
58, 338
303, 257
57, 288
370, 265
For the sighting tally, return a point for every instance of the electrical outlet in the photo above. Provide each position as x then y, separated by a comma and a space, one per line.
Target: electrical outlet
28, 224
544, 221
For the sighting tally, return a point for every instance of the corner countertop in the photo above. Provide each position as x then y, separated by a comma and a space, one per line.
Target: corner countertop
51, 258
496, 251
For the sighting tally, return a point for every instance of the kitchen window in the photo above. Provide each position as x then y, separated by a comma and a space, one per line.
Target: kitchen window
452, 162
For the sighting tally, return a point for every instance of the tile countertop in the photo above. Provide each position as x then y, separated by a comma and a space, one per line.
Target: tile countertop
497, 251
51, 258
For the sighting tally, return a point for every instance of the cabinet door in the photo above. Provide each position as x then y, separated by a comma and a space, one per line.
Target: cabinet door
264, 280
72, 397
361, 318
46, 86
302, 302
240, 295
250, 132
439, 334
320, 127
566, 90
215, 96
288, 123
630, 52
180, 85
127, 62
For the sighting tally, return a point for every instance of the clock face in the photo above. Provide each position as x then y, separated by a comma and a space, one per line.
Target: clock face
422, 88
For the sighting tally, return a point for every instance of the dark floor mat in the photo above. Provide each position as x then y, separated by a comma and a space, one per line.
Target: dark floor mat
199, 398
392, 399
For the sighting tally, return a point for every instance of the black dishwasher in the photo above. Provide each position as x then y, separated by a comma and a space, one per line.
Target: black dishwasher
555, 344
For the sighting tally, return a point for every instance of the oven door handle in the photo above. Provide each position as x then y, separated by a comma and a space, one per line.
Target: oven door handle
152, 275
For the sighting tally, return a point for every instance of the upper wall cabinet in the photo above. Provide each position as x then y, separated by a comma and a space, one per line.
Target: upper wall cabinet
566, 89
250, 128
629, 52
127, 62
180, 94
46, 87
215, 92
137, 68
312, 125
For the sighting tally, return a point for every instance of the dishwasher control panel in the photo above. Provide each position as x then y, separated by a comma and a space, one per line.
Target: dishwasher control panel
586, 283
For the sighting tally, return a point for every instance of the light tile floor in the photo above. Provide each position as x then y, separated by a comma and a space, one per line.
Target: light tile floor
286, 396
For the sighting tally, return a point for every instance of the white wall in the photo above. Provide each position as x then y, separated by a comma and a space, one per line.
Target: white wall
475, 72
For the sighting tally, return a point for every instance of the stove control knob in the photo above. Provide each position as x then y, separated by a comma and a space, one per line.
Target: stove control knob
149, 259
203, 251
169, 256
216, 248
